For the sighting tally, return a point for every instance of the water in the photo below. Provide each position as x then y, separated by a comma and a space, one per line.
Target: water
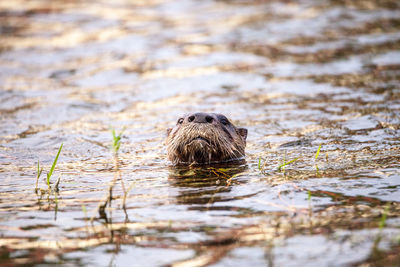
296, 74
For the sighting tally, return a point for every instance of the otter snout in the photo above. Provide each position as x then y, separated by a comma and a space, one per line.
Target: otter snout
203, 138
200, 118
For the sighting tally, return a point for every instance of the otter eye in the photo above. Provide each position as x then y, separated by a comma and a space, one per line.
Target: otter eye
224, 121
180, 121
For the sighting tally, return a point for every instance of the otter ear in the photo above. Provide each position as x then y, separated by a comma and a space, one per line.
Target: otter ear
169, 131
243, 133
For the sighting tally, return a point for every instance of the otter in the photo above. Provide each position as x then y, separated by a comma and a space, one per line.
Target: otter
205, 138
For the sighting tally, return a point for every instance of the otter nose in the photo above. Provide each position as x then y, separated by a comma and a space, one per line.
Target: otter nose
200, 118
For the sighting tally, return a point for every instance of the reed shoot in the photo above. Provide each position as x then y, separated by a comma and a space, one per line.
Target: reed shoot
282, 166
56, 189
39, 172
116, 140
53, 166
382, 222
317, 154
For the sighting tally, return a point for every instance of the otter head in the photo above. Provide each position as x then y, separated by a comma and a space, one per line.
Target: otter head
202, 138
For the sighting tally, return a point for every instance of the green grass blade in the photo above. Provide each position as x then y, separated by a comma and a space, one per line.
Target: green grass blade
382, 221
286, 163
54, 165
116, 144
259, 163
39, 172
317, 154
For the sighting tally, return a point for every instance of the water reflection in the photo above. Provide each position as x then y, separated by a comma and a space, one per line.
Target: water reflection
205, 185
297, 74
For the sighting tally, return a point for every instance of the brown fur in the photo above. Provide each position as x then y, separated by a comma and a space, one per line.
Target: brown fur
204, 143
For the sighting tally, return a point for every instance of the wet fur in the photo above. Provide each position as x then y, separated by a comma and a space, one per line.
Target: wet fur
224, 144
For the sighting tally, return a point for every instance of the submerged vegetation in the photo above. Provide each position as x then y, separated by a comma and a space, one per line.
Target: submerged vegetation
116, 142
49, 174
281, 167
107, 200
39, 172
317, 154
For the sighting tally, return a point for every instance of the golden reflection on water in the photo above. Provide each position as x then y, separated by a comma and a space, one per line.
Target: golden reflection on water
297, 75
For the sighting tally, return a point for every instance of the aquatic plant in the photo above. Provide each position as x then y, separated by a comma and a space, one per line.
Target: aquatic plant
319, 149
126, 194
56, 185
281, 167
223, 173
50, 173
261, 166
39, 172
382, 221
285, 163
116, 144
316, 158
56, 189
84, 210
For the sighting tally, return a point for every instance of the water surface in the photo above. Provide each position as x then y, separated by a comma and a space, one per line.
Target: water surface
297, 74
